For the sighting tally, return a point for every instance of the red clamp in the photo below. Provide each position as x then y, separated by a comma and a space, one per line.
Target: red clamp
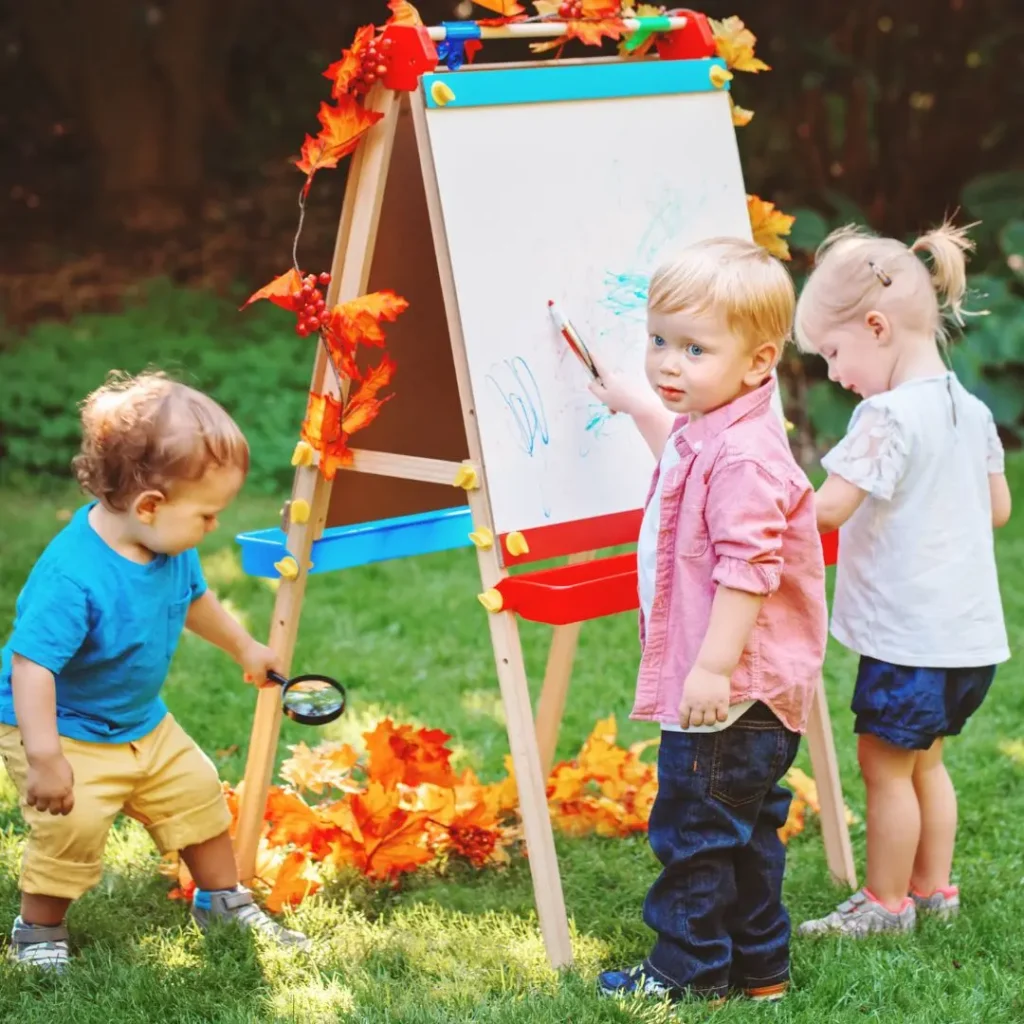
411, 54
693, 42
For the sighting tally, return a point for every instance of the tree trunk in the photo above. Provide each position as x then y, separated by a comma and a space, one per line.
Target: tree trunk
140, 92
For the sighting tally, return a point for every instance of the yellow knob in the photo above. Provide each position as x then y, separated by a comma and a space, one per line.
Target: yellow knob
466, 478
303, 454
442, 93
719, 76
288, 568
482, 538
298, 511
491, 600
515, 544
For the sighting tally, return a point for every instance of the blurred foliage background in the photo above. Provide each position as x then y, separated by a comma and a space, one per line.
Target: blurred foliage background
146, 185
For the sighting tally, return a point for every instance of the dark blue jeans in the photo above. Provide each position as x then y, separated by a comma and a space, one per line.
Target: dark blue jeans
717, 905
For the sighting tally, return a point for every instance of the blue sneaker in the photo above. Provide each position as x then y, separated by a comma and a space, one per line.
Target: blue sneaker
635, 981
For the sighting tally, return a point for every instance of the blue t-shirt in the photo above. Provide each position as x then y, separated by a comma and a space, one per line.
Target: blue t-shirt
106, 627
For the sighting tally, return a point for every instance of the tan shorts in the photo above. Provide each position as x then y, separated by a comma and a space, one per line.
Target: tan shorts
162, 780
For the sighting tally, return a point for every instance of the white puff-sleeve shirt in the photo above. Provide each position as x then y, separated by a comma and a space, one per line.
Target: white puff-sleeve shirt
916, 581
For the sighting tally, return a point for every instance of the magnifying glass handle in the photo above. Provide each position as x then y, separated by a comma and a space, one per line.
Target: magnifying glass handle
276, 677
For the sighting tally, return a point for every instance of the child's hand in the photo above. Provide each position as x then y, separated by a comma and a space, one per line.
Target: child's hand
705, 698
617, 392
257, 660
50, 784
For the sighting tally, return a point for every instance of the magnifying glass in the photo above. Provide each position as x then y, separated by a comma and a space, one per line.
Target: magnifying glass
310, 699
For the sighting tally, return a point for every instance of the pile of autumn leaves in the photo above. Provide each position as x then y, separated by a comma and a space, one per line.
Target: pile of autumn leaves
399, 807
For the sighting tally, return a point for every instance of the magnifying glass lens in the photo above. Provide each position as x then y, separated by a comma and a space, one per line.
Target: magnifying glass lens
313, 700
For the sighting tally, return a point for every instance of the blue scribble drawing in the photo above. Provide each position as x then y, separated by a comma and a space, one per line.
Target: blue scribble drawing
523, 401
598, 420
626, 294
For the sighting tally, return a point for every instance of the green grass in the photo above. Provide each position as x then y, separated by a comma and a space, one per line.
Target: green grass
409, 640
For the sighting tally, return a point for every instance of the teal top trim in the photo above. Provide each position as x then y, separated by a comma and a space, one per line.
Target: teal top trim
559, 82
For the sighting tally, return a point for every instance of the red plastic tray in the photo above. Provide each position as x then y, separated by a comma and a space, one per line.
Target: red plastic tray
573, 593
589, 590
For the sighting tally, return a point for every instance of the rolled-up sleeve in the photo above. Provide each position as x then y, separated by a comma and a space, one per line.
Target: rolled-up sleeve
746, 519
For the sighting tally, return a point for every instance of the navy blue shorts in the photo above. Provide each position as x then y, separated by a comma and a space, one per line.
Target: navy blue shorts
913, 707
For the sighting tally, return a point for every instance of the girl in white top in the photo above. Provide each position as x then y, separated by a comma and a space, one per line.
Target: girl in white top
915, 488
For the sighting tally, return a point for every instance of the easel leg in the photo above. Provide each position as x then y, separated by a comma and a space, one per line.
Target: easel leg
834, 830
350, 269
508, 654
551, 706
531, 784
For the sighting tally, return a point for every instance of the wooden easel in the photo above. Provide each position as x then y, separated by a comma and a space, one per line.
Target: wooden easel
532, 744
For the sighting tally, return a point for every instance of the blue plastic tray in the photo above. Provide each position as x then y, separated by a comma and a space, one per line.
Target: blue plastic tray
342, 547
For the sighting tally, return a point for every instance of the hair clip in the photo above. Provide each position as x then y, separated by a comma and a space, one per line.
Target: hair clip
880, 274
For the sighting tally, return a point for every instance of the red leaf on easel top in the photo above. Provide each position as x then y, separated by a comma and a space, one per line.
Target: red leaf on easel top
403, 13
342, 126
509, 10
589, 21
350, 69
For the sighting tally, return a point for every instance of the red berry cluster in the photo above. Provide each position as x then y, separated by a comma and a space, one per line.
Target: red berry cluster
571, 9
310, 304
375, 63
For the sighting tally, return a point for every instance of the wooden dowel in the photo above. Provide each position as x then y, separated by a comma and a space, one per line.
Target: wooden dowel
550, 29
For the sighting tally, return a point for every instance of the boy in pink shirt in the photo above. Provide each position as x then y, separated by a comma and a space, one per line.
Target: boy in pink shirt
732, 621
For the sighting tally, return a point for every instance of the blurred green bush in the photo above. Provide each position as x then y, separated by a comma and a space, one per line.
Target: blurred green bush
250, 362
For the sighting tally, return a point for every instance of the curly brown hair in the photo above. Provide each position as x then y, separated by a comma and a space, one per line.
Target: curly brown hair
149, 432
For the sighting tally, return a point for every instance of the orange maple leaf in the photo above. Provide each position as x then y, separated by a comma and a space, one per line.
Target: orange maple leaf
325, 766
403, 13
358, 321
566, 783
508, 9
769, 225
364, 405
342, 126
599, 20
735, 44
293, 821
408, 756
292, 884
476, 834
283, 291
795, 820
321, 430
393, 840
343, 72
741, 117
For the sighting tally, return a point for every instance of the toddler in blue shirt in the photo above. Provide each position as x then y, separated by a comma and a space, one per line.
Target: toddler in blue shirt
84, 733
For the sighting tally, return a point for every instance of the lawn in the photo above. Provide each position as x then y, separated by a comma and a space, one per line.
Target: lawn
410, 641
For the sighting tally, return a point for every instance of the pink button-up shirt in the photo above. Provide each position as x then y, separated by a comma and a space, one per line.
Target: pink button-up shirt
737, 511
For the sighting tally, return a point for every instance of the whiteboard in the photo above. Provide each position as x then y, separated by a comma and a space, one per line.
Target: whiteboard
578, 201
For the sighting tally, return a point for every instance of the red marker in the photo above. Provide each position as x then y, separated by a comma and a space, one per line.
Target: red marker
573, 340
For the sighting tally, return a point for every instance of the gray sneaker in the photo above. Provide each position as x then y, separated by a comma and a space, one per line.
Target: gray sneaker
240, 908
859, 916
943, 903
39, 946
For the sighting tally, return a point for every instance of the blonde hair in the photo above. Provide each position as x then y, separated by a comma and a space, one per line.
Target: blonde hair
739, 279
148, 433
856, 271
